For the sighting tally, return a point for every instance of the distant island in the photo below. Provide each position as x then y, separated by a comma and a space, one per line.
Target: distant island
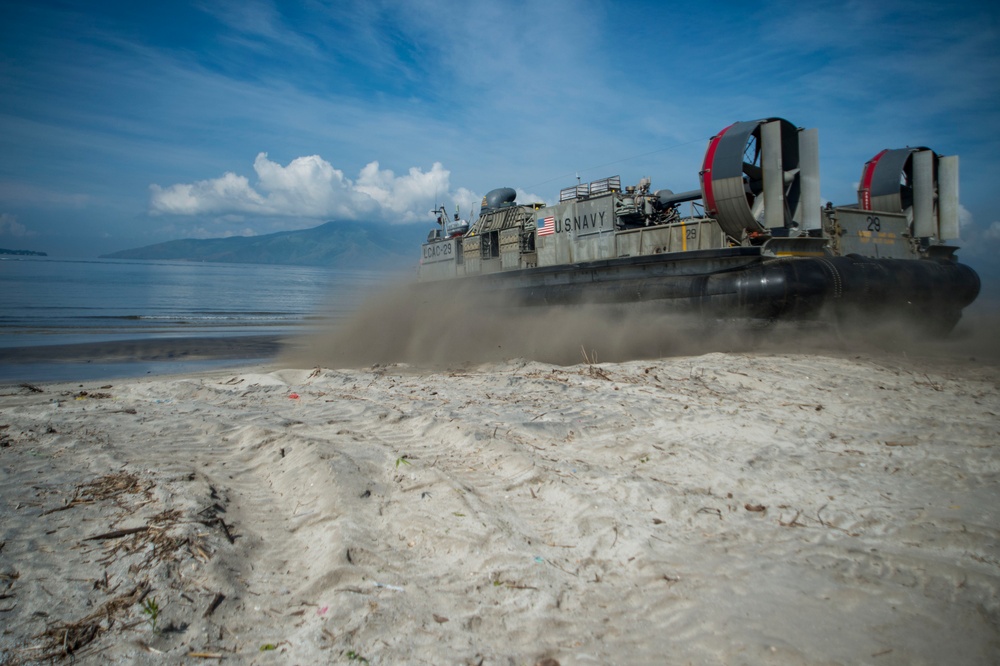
23, 253
357, 245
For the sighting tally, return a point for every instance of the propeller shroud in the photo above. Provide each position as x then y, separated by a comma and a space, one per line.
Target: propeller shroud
762, 176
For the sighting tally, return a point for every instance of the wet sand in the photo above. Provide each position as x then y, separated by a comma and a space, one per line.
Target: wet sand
149, 349
135, 358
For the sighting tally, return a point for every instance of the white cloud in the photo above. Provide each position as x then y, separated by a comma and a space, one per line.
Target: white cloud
311, 187
993, 233
965, 217
468, 203
9, 226
406, 194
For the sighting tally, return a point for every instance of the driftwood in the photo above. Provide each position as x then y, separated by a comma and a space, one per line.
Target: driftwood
117, 534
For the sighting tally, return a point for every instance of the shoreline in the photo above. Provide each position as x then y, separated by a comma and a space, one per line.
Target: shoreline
150, 349
137, 357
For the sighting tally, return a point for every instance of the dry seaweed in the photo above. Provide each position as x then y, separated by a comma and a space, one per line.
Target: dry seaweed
109, 486
67, 639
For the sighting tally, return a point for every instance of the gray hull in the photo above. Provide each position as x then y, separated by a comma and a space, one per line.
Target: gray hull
740, 283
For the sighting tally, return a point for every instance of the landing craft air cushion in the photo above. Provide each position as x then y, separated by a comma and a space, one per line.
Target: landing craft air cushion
758, 244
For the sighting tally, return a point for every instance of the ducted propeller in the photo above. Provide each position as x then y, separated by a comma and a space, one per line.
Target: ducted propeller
762, 176
918, 183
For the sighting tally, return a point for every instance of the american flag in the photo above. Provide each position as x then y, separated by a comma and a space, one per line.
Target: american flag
546, 226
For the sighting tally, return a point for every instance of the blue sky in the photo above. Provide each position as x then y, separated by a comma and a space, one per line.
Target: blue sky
124, 124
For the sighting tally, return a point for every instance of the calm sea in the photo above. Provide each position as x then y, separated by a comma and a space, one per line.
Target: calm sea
47, 301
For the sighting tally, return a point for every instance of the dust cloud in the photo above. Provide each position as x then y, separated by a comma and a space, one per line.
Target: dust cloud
435, 326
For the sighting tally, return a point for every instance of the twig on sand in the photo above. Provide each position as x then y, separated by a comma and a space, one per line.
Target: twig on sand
217, 520
794, 522
219, 598
562, 569
117, 534
69, 505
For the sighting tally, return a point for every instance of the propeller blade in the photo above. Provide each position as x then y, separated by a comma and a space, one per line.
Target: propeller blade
753, 171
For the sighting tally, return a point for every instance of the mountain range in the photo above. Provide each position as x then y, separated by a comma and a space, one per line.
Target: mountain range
357, 245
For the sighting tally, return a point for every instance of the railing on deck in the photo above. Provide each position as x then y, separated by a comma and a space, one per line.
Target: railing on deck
584, 190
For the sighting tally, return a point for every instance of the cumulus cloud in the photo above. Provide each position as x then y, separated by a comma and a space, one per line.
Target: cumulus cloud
993, 233
9, 226
964, 217
977, 239
311, 187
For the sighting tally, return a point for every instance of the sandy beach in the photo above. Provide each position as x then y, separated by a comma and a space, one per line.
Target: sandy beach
741, 507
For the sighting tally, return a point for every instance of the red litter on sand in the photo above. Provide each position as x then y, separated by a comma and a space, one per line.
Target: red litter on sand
293, 396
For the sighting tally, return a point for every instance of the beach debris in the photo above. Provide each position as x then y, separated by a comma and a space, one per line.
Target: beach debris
216, 601
67, 639
110, 486
547, 661
32, 388
440, 619
402, 461
386, 586
117, 534
83, 395
322, 610
293, 396
755, 507
205, 655
225, 530
212, 518
794, 522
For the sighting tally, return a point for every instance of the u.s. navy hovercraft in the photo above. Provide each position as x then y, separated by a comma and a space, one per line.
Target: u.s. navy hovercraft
757, 243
